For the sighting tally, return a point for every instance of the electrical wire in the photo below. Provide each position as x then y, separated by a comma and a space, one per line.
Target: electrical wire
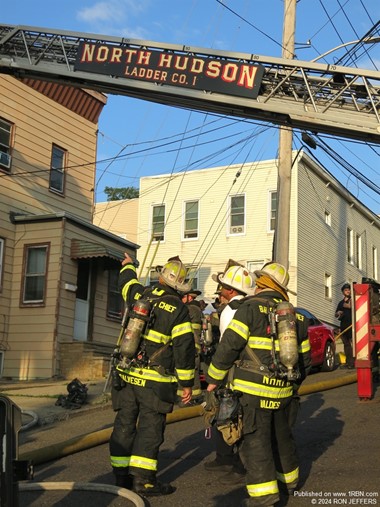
250, 24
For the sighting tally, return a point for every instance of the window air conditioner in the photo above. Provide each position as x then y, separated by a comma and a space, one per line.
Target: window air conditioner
5, 159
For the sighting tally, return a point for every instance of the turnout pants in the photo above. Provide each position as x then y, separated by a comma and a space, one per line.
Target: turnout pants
268, 453
138, 431
347, 347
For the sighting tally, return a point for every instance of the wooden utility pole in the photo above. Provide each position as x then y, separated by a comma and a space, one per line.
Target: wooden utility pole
281, 243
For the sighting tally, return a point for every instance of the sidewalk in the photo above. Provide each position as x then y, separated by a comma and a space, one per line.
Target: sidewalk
36, 399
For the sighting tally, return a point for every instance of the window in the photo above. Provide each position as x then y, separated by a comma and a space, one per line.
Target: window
192, 276
272, 211
115, 303
359, 260
374, 263
191, 219
57, 169
158, 222
327, 286
154, 276
35, 274
5, 145
328, 218
2, 243
237, 214
350, 245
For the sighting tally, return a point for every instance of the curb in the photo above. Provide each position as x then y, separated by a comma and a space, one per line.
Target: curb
71, 413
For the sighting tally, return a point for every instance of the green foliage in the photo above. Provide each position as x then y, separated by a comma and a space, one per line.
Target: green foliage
118, 194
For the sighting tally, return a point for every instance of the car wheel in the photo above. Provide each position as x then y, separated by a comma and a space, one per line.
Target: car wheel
328, 357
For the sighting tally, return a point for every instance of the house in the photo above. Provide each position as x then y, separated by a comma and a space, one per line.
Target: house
209, 216
60, 309
120, 217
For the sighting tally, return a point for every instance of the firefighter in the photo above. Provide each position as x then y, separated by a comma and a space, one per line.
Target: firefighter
343, 314
147, 392
196, 315
268, 449
234, 285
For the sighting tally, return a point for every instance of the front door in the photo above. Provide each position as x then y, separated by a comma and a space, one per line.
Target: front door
82, 303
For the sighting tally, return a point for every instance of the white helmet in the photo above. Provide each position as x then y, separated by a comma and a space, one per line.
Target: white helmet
277, 272
236, 277
174, 274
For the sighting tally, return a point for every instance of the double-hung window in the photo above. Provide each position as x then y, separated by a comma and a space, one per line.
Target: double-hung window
374, 263
115, 302
35, 274
57, 169
350, 245
158, 222
272, 210
191, 220
5, 145
359, 255
237, 214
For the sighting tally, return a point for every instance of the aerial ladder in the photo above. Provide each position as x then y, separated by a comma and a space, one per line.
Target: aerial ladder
331, 99
337, 100
366, 335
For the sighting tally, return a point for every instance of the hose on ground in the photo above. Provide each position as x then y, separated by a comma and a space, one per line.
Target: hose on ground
86, 441
30, 424
82, 486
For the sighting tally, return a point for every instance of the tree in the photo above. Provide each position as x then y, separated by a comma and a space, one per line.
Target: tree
117, 194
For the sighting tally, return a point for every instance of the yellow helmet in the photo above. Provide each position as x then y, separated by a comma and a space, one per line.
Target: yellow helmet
236, 277
277, 272
174, 274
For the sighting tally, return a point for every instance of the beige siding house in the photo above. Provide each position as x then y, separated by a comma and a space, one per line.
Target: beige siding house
120, 217
212, 215
59, 306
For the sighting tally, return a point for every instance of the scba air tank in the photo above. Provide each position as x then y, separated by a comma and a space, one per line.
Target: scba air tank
138, 319
287, 337
206, 331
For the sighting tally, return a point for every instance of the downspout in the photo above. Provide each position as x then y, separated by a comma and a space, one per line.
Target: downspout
55, 361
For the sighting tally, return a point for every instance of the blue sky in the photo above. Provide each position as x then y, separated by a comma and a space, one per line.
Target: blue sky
141, 130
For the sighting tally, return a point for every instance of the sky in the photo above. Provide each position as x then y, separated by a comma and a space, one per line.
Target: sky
139, 138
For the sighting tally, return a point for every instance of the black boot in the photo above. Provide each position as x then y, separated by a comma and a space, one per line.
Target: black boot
147, 487
123, 479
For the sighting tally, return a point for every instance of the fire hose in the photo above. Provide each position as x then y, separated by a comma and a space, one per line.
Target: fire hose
86, 441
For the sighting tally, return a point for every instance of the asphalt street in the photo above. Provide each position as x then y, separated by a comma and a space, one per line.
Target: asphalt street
336, 434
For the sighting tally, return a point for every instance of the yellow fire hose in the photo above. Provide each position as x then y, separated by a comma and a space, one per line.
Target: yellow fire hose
100, 437
86, 441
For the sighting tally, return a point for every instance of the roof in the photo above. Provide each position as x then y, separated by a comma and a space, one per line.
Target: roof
82, 249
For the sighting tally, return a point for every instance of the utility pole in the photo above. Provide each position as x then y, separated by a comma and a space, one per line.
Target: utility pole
281, 245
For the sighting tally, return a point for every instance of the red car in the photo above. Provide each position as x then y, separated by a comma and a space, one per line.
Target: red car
322, 342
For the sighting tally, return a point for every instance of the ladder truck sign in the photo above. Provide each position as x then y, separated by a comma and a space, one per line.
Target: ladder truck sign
172, 68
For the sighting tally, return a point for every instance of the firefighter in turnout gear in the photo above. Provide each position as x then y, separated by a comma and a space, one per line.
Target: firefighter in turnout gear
234, 284
149, 381
248, 344
196, 315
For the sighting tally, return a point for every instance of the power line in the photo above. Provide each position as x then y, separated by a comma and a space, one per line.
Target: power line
250, 24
